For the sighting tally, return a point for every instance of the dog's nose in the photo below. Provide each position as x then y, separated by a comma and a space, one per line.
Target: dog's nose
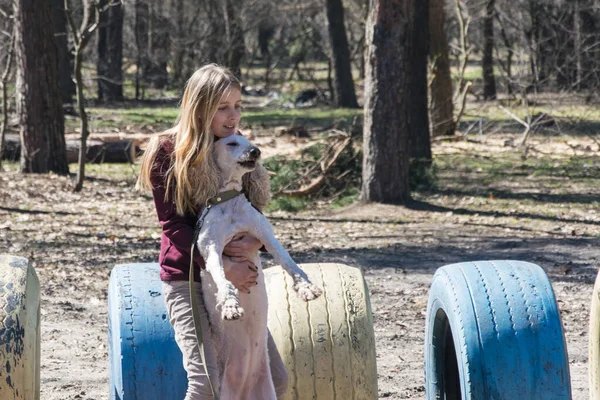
255, 152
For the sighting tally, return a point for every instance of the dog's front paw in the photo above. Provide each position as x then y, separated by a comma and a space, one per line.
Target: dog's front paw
308, 291
231, 310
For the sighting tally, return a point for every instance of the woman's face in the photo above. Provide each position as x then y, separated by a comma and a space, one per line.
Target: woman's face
227, 118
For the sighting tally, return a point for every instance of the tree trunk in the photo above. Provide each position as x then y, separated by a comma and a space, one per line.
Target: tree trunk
235, 36
561, 50
388, 74
159, 48
532, 39
541, 41
39, 105
487, 61
419, 143
142, 16
577, 39
589, 18
179, 48
215, 42
84, 122
81, 37
3, 82
441, 107
63, 54
508, 43
110, 52
345, 96
330, 86
265, 33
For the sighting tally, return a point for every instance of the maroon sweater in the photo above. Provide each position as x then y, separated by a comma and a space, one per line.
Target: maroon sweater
177, 230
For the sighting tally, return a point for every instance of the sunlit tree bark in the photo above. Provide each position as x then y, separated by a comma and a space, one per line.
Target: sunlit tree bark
387, 86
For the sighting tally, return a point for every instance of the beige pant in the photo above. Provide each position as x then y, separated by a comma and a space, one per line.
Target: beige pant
177, 300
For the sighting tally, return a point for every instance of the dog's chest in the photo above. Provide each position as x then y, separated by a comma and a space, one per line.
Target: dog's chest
232, 216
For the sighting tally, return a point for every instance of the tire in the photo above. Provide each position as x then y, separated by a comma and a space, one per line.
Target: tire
594, 343
493, 331
19, 329
328, 344
145, 361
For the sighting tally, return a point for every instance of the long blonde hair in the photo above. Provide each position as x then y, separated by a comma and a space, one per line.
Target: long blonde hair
193, 176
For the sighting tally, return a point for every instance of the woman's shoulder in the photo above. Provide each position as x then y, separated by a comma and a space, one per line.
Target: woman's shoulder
166, 144
163, 154
164, 147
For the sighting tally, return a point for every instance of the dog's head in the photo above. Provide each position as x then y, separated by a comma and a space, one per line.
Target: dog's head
236, 150
236, 158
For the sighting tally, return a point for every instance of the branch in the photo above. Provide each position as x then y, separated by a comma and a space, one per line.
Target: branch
88, 29
532, 125
528, 126
513, 116
464, 49
317, 182
5, 14
9, 57
69, 15
463, 105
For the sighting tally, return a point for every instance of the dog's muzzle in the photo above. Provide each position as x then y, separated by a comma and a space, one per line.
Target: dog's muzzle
250, 158
254, 153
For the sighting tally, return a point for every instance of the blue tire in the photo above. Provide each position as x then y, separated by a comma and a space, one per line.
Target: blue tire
145, 361
493, 331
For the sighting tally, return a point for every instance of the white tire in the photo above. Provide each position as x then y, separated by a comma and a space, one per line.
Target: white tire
19, 330
594, 343
327, 344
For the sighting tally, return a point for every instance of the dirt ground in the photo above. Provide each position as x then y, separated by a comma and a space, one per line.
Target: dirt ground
551, 219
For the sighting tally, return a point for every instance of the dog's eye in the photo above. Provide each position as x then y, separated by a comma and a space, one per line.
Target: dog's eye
232, 144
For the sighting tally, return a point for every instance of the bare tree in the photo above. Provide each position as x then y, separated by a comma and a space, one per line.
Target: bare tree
419, 141
110, 52
487, 61
142, 17
441, 105
3, 82
234, 31
462, 86
345, 95
81, 37
577, 39
39, 104
63, 53
265, 34
214, 40
389, 33
509, 44
153, 39
179, 35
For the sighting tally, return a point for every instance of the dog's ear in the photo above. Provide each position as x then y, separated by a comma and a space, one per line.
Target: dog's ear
257, 187
204, 180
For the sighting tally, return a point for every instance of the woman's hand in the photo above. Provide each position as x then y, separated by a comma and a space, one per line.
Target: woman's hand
243, 274
242, 245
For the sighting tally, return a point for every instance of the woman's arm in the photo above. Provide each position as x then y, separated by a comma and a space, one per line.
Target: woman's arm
242, 273
242, 245
177, 228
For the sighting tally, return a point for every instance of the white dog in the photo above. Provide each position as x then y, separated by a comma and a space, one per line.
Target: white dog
241, 346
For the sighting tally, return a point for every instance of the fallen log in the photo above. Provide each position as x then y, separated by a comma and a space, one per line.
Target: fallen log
123, 151
100, 149
12, 148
